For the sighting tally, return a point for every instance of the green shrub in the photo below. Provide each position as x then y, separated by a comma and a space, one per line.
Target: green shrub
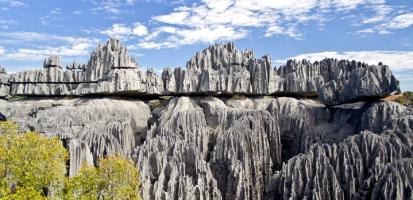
406, 98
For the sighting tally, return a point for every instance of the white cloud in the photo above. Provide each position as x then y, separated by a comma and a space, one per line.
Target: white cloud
55, 15
81, 49
4, 24
385, 24
112, 7
400, 21
13, 3
77, 12
139, 29
23, 36
396, 60
123, 30
63, 45
240, 18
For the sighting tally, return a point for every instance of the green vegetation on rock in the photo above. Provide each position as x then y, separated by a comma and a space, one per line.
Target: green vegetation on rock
406, 98
33, 166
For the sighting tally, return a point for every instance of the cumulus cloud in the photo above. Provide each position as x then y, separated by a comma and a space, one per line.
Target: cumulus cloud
112, 7
385, 24
12, 4
400, 21
123, 30
5, 24
55, 15
63, 45
396, 60
241, 18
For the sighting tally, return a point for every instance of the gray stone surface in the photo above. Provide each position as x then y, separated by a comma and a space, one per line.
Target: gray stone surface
214, 143
91, 128
221, 69
236, 148
4, 83
218, 70
52, 61
110, 71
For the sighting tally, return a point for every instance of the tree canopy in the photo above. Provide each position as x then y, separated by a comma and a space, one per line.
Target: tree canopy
33, 166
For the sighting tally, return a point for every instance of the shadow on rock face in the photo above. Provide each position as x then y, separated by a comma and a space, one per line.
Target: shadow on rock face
2, 117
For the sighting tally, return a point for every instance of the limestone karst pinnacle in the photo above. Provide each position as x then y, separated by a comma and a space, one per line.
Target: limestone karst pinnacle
220, 69
234, 127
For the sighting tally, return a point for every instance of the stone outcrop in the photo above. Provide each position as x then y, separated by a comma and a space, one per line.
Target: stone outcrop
110, 71
218, 70
336, 81
52, 61
236, 148
90, 128
4, 83
233, 128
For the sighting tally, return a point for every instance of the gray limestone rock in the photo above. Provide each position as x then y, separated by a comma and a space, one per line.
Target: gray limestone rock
229, 146
338, 171
91, 128
52, 61
235, 148
218, 70
336, 81
109, 71
4, 83
396, 181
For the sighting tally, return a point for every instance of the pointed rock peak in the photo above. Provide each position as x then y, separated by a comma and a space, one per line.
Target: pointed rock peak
113, 54
114, 45
219, 56
52, 61
2, 70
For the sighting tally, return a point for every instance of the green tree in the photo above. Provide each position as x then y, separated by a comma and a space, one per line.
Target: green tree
115, 178
32, 166
120, 178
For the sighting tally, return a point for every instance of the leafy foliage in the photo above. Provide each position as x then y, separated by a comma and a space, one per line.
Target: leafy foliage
31, 165
406, 98
115, 178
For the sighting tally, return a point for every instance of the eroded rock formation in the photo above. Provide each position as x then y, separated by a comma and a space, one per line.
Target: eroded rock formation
209, 141
219, 70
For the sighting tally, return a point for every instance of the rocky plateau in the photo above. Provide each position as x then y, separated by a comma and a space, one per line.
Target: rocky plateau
226, 126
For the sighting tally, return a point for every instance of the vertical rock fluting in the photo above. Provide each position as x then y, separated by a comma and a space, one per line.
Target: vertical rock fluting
109, 71
221, 69
336, 81
347, 170
237, 147
172, 160
91, 128
247, 147
105, 58
228, 146
210, 148
4, 83
396, 181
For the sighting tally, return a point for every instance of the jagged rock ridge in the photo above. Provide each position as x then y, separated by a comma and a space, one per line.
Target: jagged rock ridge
251, 148
220, 69
212, 144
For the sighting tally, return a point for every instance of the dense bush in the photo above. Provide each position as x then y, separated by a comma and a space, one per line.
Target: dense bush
406, 98
115, 178
33, 166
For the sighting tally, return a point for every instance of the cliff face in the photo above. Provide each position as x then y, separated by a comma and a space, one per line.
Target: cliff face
218, 70
208, 142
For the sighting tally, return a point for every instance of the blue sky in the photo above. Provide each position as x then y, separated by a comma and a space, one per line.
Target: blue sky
161, 33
